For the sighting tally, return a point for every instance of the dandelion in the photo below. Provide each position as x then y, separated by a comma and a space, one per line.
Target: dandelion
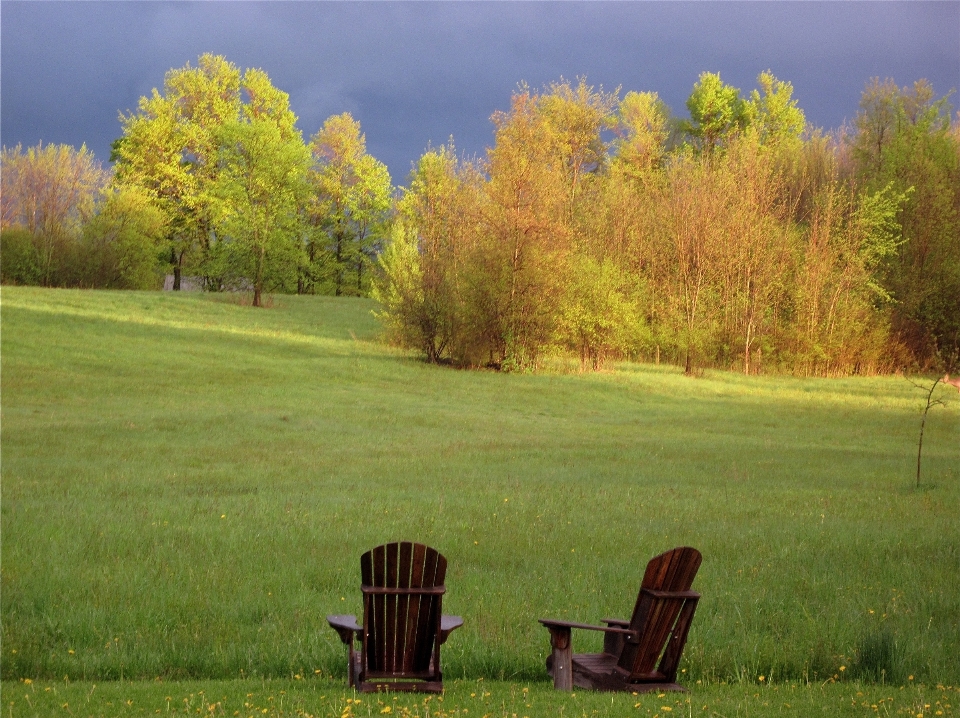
843, 668
763, 678
387, 709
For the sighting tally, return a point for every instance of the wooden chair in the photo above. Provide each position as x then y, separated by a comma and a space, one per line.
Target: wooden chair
403, 628
641, 654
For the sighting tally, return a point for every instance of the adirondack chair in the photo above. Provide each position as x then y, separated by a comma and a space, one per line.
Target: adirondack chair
403, 628
641, 654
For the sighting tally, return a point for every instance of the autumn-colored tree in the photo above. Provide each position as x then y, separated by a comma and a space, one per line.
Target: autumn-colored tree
49, 191
760, 244
547, 152
642, 129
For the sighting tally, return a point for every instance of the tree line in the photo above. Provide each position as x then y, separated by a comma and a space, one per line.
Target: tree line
602, 227
212, 179
597, 225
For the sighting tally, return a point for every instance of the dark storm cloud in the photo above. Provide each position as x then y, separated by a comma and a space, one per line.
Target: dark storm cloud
416, 73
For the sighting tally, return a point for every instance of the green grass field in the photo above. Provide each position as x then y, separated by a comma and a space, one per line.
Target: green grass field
188, 484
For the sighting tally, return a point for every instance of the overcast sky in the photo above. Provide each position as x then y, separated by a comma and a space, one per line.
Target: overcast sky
415, 73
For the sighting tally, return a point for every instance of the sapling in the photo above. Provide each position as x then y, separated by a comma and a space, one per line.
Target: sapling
931, 402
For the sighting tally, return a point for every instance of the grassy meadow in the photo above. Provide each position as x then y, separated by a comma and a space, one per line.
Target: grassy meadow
188, 484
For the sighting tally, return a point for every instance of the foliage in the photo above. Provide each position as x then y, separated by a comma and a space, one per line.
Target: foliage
172, 148
19, 258
50, 192
595, 226
258, 194
904, 140
350, 208
756, 243
121, 245
717, 112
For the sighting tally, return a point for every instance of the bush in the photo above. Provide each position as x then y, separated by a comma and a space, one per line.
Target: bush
19, 259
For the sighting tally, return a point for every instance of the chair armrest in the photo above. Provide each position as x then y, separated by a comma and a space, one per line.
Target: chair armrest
346, 626
551, 624
448, 624
560, 662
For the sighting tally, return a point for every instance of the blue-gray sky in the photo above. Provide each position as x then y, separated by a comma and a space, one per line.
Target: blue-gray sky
415, 73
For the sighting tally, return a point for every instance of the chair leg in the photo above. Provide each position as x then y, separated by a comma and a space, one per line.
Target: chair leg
353, 667
562, 658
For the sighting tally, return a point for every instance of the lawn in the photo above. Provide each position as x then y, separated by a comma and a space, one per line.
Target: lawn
188, 484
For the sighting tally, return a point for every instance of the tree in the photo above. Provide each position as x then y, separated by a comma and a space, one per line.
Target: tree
171, 146
258, 192
50, 192
351, 202
905, 140
547, 156
19, 259
121, 246
876, 121
717, 112
425, 284
841, 308
642, 129
599, 317
772, 113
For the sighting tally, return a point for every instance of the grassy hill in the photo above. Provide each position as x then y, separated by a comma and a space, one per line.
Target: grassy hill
188, 484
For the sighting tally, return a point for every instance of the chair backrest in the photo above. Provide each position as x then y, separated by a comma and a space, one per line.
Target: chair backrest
655, 616
402, 586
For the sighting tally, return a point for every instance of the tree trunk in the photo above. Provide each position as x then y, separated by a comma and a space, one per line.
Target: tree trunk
258, 279
176, 260
339, 264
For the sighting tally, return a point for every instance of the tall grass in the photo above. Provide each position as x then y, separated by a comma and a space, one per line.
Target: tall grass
188, 484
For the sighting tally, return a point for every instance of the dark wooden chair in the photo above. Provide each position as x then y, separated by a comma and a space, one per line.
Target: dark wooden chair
403, 628
641, 654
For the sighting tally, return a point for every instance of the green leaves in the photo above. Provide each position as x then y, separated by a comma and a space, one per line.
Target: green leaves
202, 150
773, 114
258, 194
716, 112
351, 202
